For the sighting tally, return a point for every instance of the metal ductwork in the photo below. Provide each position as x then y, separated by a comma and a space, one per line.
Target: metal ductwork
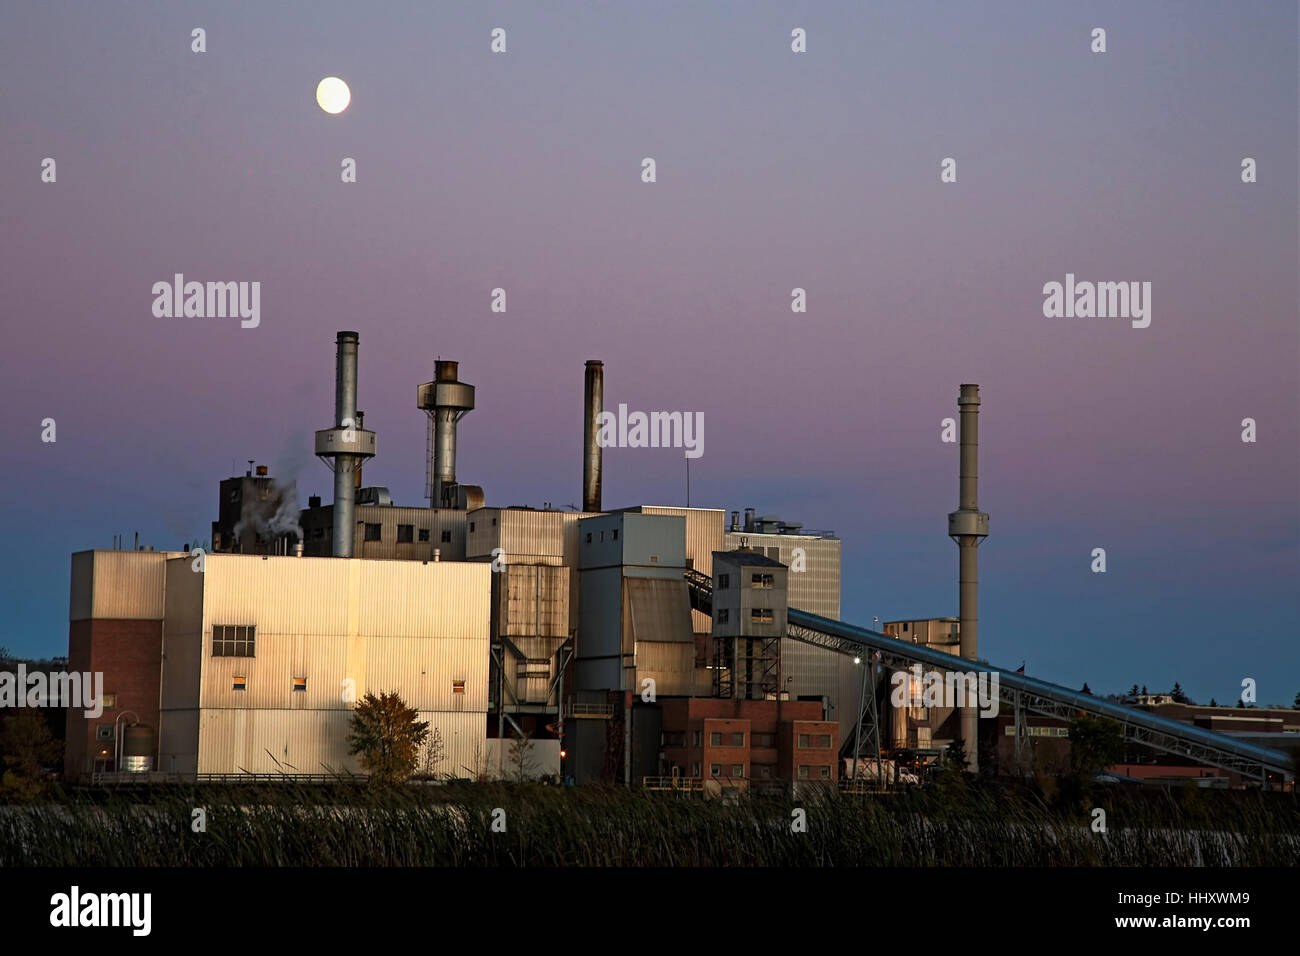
346, 445
446, 400
968, 526
591, 458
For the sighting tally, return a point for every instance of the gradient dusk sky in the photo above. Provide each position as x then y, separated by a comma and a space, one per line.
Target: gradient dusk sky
775, 170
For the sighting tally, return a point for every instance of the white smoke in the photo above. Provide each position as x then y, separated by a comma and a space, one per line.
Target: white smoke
273, 516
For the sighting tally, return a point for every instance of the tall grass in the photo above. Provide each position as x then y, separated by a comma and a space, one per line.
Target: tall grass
550, 826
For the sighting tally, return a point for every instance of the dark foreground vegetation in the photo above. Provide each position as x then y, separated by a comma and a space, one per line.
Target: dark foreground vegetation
496, 825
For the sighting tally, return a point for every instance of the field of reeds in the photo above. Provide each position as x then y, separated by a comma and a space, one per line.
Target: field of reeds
496, 825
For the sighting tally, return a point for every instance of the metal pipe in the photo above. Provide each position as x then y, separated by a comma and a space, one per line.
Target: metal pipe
594, 404
345, 416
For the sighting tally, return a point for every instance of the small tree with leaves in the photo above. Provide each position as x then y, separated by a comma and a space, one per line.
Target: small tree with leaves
387, 735
1296, 703
1095, 743
27, 748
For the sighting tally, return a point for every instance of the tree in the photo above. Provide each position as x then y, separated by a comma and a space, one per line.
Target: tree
5, 655
1085, 689
1296, 703
954, 756
434, 753
1144, 690
1213, 702
1095, 743
387, 735
1134, 691
1178, 695
27, 747
522, 762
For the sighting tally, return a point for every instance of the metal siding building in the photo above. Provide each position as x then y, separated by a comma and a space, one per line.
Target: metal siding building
816, 672
417, 629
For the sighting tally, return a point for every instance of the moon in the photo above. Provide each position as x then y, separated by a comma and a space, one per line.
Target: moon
333, 95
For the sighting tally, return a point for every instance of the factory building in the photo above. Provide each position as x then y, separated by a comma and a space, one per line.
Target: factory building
115, 627
916, 727
813, 557
264, 658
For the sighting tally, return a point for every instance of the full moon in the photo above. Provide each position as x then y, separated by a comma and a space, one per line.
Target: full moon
333, 95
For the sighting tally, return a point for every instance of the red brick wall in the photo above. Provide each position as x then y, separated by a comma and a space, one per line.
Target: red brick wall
129, 654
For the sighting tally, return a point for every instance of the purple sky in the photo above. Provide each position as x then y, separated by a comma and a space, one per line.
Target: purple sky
775, 170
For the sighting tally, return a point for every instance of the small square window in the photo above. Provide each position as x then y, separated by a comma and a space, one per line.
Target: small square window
405, 533
300, 684
110, 701
471, 526
494, 522
715, 770
738, 770
724, 581
372, 531
695, 770
588, 537
458, 687
825, 773
724, 615
715, 739
803, 740
695, 739
803, 772
737, 740
424, 534
240, 683
446, 537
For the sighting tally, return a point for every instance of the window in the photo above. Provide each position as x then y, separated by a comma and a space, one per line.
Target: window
104, 732
494, 522
738, 770
695, 770
823, 741
715, 739
724, 615
803, 740
458, 695
695, 740
233, 640
715, 770
372, 531
110, 701
825, 772
471, 528
602, 537
760, 615
446, 537
724, 581
905, 625
241, 683
761, 581
588, 537
614, 535
300, 684
764, 740
405, 533
424, 534
737, 740
803, 772
764, 771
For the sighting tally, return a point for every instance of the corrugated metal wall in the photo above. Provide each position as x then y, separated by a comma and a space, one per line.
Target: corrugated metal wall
118, 585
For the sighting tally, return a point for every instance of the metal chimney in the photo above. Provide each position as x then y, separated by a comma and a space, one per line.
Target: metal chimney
446, 400
968, 526
347, 444
591, 457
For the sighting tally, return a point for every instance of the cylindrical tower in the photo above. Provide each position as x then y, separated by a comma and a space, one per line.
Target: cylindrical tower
968, 526
347, 444
446, 400
591, 458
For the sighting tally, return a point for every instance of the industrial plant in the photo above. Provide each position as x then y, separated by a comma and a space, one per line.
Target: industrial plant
652, 646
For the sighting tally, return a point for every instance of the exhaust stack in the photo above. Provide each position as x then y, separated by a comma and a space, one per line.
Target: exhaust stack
347, 444
968, 526
446, 400
591, 458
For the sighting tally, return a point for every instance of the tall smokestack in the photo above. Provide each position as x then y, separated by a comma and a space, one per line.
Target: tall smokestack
347, 443
968, 526
446, 400
591, 457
